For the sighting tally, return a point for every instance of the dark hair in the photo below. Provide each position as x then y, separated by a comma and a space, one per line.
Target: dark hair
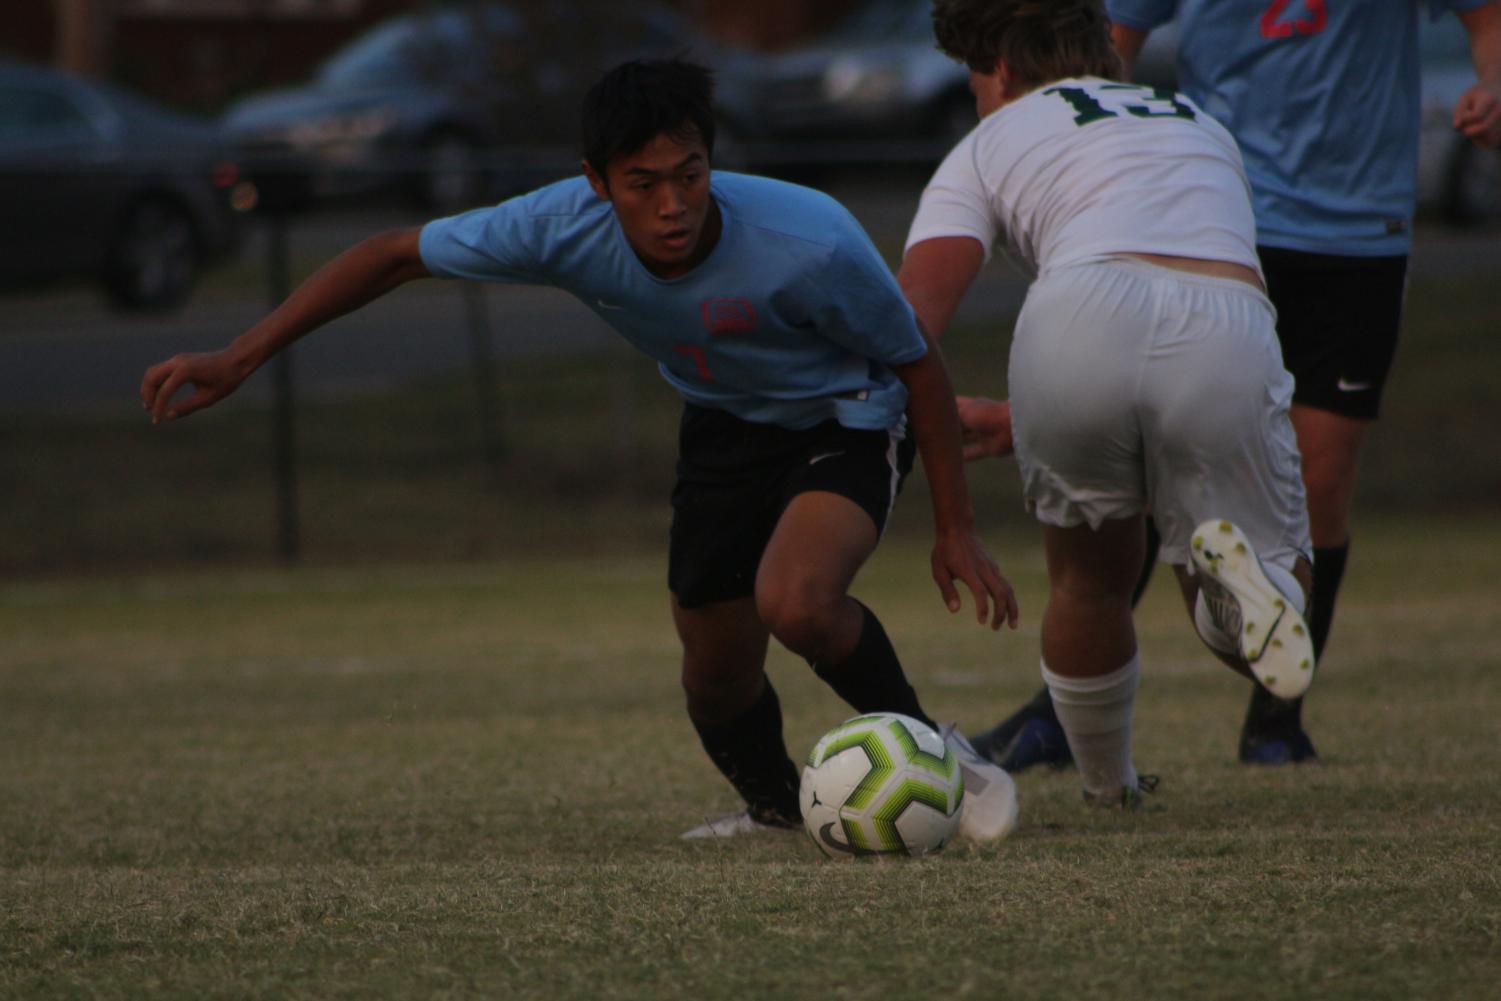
1040, 40
639, 100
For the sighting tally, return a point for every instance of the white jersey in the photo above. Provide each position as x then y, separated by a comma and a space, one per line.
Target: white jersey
1081, 169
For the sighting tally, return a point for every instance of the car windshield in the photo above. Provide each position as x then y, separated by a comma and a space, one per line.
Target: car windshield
884, 20
419, 47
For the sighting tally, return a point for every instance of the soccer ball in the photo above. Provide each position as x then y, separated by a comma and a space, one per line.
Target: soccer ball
881, 784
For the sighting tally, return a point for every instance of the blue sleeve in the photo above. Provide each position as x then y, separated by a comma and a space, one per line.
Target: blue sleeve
1143, 15
1437, 8
495, 244
861, 307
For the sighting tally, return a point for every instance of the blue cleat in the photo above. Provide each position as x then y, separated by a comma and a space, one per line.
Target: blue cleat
1291, 749
1030, 736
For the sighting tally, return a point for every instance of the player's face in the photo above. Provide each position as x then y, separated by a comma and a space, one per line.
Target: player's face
660, 194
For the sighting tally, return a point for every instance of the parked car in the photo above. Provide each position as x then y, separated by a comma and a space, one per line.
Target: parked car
875, 88
96, 182
448, 103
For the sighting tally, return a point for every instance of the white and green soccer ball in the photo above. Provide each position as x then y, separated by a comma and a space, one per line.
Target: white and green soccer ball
881, 784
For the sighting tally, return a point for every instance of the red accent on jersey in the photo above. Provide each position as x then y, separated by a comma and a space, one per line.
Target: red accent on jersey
728, 316
1272, 26
700, 360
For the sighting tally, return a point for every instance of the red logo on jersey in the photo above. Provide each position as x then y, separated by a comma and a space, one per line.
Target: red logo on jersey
1272, 25
729, 316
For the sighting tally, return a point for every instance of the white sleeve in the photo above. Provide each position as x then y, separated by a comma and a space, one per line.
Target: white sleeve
955, 202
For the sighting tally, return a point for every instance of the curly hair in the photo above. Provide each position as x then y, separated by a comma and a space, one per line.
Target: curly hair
1040, 40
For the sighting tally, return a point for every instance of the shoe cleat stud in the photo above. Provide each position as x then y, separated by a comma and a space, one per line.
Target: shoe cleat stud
1297, 629
1240, 547
1225, 527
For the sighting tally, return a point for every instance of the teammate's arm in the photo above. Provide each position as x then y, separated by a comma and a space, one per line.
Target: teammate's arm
1128, 43
365, 272
1478, 112
957, 551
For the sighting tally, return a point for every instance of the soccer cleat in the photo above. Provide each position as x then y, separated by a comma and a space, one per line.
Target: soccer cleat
989, 805
1030, 736
1126, 799
1272, 637
1291, 749
732, 825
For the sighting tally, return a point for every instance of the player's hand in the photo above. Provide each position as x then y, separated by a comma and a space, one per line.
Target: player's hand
1477, 115
213, 376
987, 427
962, 556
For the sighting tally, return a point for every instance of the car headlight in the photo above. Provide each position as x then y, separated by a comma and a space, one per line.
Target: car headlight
859, 81
353, 127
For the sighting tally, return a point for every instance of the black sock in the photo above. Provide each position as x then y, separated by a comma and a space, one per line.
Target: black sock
1269, 715
749, 751
1328, 573
1148, 563
871, 679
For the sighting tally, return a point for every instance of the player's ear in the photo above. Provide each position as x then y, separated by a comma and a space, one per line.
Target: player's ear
596, 182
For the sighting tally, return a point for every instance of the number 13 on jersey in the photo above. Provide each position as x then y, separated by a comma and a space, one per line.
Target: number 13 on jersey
1096, 102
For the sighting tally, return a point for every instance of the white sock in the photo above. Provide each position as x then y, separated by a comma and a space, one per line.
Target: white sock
1096, 715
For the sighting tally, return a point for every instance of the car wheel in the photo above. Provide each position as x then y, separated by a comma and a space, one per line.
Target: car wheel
1472, 195
155, 258
452, 178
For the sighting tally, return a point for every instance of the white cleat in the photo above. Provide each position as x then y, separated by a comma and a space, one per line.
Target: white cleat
733, 825
1244, 603
989, 806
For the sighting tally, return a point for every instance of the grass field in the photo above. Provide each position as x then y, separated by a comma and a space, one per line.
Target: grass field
467, 780
445, 757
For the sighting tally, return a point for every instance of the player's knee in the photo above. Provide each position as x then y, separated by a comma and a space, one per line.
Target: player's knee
799, 617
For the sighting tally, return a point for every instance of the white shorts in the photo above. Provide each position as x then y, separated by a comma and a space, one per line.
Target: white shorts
1135, 386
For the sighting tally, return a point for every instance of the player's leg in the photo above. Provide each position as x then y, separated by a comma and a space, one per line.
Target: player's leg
838, 502
735, 710
1223, 475
723, 512
1089, 656
1079, 343
1032, 734
802, 593
1338, 322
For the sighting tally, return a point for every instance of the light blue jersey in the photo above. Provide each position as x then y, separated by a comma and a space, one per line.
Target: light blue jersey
792, 319
1322, 96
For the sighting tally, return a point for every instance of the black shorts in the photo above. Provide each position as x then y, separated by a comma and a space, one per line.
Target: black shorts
735, 478
1337, 319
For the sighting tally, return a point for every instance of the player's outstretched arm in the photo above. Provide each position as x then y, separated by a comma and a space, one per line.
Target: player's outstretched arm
362, 273
1477, 114
958, 553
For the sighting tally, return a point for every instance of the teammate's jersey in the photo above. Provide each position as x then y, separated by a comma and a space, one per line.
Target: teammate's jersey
792, 319
1083, 168
1323, 99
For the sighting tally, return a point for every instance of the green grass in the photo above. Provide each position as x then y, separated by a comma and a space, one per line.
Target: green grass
454, 780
